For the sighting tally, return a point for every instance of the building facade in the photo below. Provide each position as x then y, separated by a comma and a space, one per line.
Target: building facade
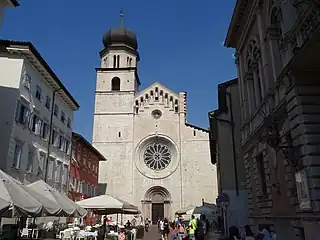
226, 154
156, 160
6, 4
84, 170
37, 116
276, 46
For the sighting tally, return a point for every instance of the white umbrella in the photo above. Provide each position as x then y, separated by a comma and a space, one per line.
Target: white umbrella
184, 210
107, 204
80, 211
4, 206
204, 210
46, 191
49, 203
12, 191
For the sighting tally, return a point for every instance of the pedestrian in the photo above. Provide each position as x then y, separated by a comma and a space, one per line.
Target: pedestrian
166, 228
174, 231
234, 233
181, 231
192, 228
161, 227
249, 233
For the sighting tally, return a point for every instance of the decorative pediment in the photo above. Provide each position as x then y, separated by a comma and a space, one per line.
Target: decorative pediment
156, 93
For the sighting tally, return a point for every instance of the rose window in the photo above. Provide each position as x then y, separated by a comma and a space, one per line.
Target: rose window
157, 156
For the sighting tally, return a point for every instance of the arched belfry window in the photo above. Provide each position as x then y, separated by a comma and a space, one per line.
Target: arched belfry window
115, 84
114, 61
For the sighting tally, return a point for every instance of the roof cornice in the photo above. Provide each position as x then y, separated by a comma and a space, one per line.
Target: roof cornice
238, 20
14, 3
89, 145
30, 53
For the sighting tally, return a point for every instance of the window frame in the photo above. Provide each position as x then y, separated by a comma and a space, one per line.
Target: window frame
16, 163
38, 94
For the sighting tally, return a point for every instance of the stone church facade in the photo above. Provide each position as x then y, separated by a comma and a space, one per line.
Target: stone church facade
155, 159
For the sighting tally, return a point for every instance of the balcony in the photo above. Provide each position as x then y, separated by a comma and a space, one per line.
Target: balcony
304, 40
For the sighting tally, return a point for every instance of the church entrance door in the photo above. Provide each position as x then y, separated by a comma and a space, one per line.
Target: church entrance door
157, 204
157, 212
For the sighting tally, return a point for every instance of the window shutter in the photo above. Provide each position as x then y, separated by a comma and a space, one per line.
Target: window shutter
26, 117
38, 127
18, 111
30, 121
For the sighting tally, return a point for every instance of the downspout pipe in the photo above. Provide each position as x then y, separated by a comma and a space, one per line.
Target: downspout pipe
233, 144
50, 133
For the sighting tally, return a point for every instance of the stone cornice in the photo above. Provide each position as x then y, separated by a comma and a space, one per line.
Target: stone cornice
241, 14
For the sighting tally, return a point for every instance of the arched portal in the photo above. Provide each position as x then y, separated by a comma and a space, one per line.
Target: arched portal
156, 203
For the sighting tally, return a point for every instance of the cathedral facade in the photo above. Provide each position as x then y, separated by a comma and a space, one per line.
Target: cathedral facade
155, 159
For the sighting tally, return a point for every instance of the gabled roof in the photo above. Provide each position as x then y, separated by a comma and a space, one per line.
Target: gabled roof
27, 50
89, 145
153, 86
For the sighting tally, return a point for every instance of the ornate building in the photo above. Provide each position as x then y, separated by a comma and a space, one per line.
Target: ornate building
156, 160
277, 45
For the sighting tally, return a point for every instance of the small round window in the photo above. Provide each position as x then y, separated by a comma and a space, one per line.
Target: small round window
156, 114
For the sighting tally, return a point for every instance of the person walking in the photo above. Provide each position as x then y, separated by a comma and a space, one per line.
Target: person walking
166, 228
161, 227
192, 228
234, 233
249, 234
181, 231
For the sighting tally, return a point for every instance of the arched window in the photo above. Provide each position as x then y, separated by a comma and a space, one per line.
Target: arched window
276, 32
115, 84
114, 61
118, 61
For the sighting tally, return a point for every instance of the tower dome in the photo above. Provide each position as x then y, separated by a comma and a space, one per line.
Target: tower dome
120, 35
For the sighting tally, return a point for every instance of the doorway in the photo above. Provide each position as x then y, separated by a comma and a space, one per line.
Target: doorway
157, 212
156, 204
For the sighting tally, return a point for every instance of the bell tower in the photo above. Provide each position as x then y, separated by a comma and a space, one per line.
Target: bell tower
119, 60
116, 87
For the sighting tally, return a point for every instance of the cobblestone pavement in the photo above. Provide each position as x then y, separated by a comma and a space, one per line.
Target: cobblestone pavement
152, 234
212, 236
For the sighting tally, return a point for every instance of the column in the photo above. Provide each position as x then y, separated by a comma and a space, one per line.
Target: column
263, 52
250, 92
263, 80
256, 85
272, 39
242, 88
167, 210
240, 85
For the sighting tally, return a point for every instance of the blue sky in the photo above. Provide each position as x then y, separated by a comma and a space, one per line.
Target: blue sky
180, 45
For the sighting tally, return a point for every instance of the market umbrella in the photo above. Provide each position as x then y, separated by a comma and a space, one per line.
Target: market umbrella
22, 202
4, 206
50, 206
204, 210
47, 192
107, 204
184, 210
80, 211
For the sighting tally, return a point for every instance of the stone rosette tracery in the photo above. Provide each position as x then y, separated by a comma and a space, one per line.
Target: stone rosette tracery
156, 157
